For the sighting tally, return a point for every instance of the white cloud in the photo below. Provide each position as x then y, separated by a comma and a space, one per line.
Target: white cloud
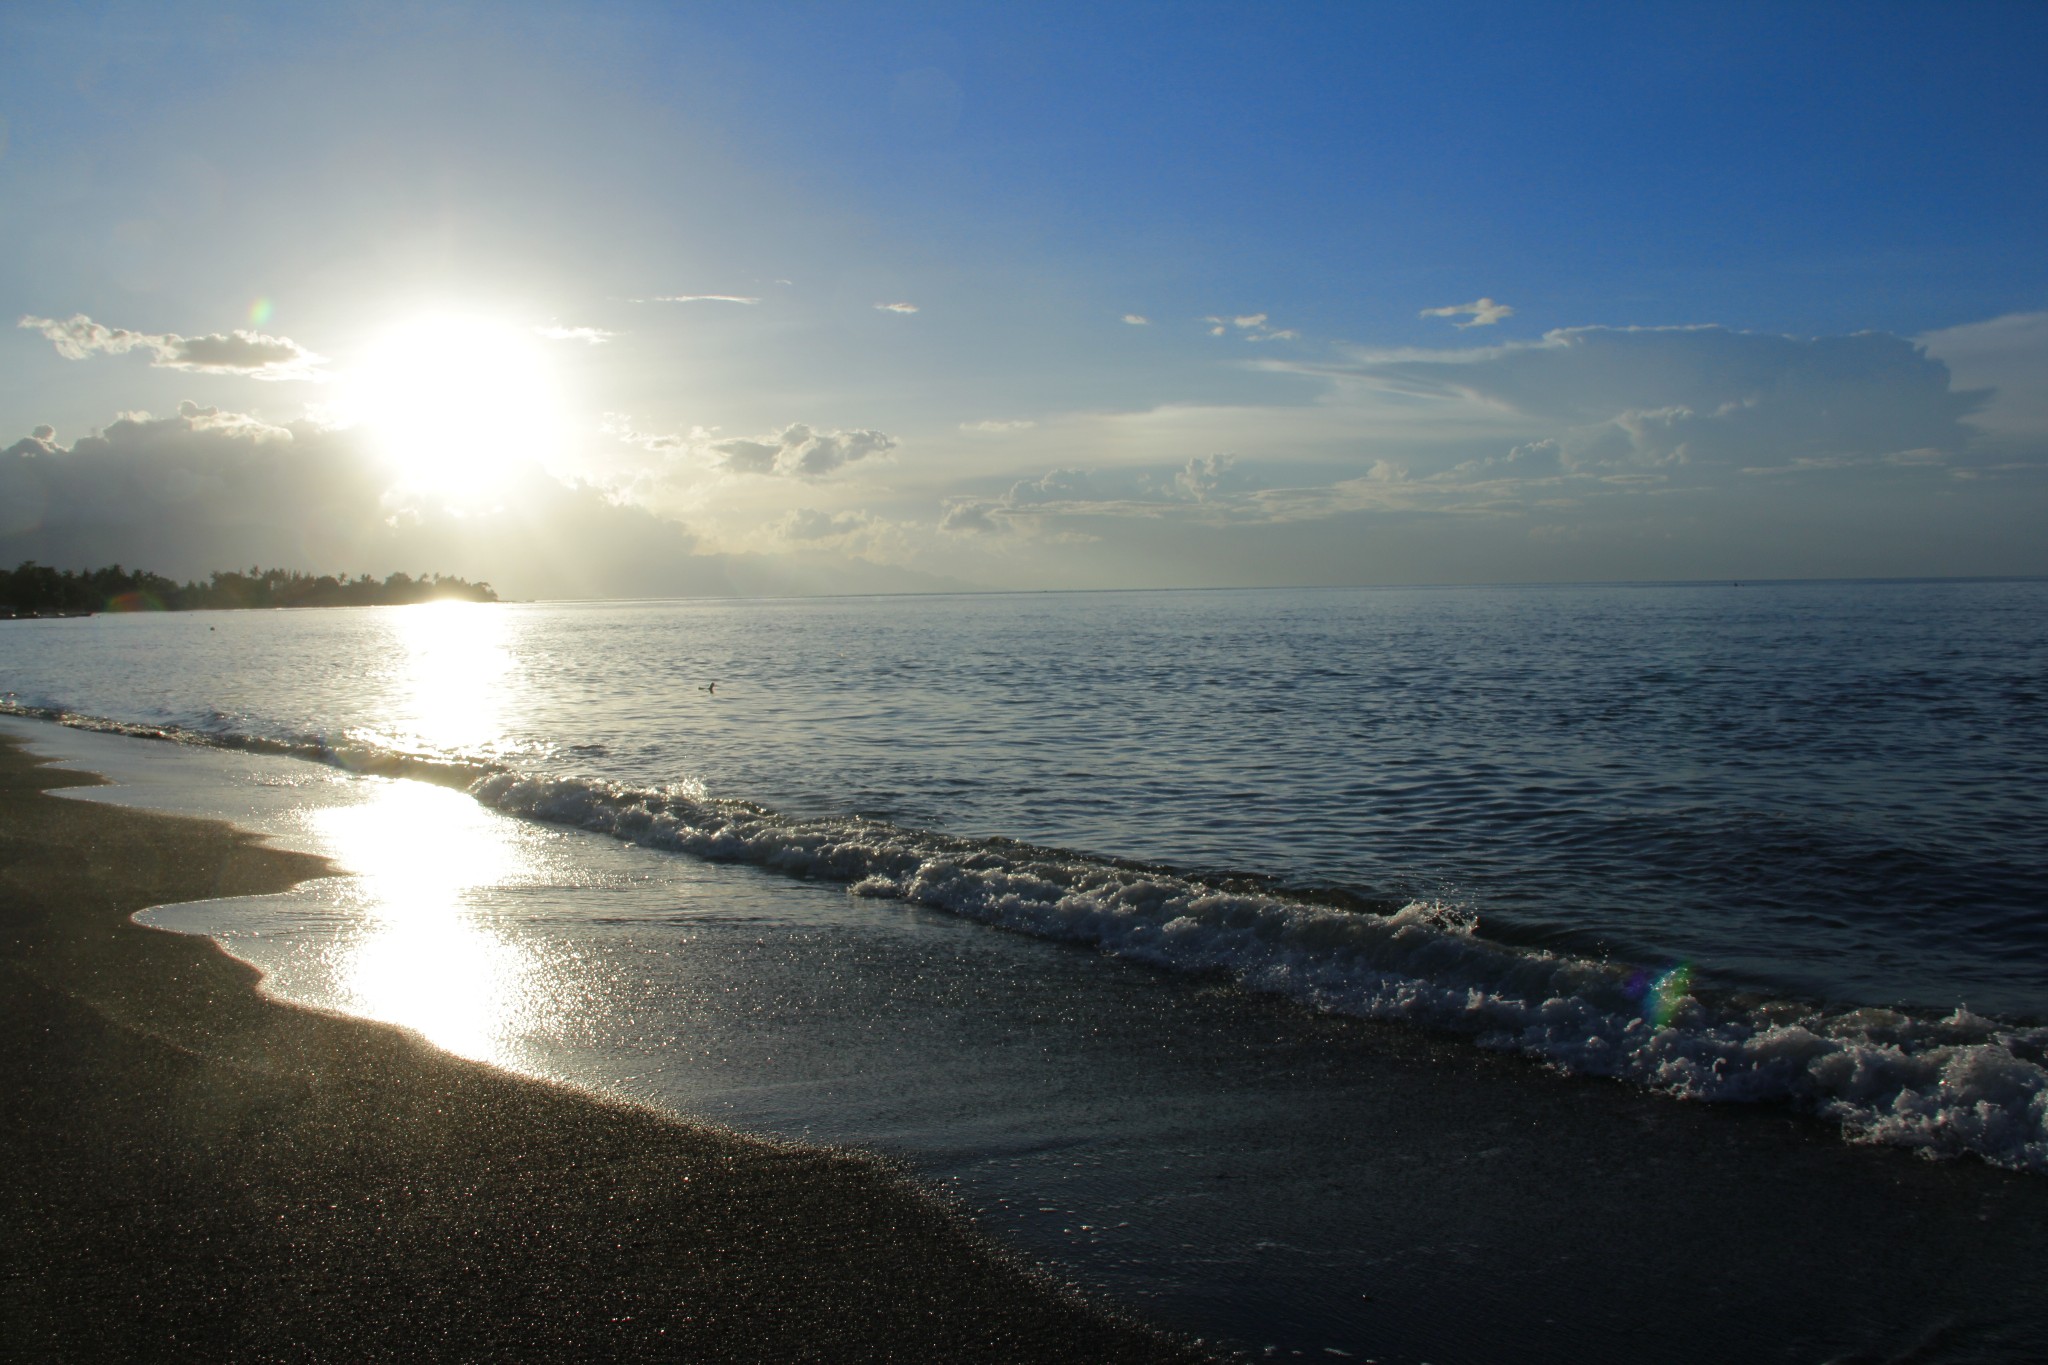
2008, 356
1201, 485
619, 426
897, 307
250, 354
968, 517
1695, 398
239, 424
1252, 326
1583, 422
811, 525
593, 336
997, 426
702, 298
1478, 313
1205, 476
1137, 320
796, 451
799, 451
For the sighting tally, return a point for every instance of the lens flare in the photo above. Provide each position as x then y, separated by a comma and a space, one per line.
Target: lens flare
259, 312
1662, 994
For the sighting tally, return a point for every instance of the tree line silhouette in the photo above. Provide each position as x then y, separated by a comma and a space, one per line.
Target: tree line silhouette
38, 590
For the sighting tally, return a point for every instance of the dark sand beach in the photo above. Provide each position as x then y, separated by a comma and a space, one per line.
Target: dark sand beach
195, 1170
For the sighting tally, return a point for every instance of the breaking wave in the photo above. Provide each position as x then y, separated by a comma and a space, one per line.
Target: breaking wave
1961, 1085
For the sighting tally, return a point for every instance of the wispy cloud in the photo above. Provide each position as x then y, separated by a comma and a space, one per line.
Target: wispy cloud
593, 336
251, 354
1250, 327
897, 307
1208, 487
1137, 320
998, 426
701, 298
1478, 313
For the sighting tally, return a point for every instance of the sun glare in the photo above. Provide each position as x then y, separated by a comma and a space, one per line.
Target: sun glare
457, 404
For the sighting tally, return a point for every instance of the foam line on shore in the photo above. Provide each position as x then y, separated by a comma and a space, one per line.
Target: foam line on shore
1963, 1084
1958, 1085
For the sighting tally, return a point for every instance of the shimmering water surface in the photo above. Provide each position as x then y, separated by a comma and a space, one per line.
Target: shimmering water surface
1834, 791
1772, 843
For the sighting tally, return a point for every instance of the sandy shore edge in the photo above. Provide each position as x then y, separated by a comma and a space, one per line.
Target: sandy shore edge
196, 1169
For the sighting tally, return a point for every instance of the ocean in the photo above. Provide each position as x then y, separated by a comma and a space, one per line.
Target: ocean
1243, 956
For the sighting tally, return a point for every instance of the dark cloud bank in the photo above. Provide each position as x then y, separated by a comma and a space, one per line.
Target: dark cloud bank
204, 489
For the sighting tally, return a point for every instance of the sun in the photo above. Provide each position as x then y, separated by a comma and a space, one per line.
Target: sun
459, 404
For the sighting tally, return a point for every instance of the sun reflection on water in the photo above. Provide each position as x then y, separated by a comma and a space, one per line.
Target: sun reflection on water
454, 663
426, 953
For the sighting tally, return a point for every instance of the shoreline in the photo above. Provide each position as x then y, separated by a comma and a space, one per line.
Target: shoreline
1291, 1181
196, 1167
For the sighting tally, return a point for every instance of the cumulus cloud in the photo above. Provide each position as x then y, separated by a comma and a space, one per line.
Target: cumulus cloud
251, 354
1478, 313
2008, 357
967, 517
41, 441
206, 489
897, 307
796, 451
1137, 320
592, 336
156, 490
1205, 476
810, 524
196, 418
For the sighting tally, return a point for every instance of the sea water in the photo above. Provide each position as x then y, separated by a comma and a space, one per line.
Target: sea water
1772, 842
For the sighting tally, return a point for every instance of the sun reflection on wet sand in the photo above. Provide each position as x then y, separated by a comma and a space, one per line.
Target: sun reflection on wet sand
419, 947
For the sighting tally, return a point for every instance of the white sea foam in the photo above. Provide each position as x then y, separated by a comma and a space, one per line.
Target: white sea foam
1961, 1085
1949, 1087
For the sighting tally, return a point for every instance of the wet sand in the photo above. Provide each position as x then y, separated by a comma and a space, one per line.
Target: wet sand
192, 1169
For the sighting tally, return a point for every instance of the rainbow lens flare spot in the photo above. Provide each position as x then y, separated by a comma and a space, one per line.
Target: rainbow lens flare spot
1663, 993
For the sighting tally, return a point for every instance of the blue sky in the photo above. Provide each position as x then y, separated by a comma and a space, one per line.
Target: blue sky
1428, 293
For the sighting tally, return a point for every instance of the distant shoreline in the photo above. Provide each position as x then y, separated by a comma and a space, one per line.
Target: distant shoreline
37, 592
